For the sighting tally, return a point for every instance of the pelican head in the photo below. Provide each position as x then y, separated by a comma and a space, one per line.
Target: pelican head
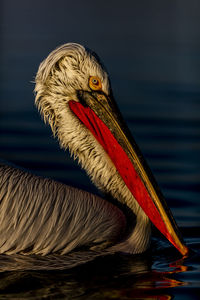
74, 95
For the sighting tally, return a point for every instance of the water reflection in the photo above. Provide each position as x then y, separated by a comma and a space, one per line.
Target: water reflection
109, 277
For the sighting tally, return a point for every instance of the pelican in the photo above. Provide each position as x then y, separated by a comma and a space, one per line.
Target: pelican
42, 216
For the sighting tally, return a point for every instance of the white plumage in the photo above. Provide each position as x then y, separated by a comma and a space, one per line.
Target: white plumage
41, 216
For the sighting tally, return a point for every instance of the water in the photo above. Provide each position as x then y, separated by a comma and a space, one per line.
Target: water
154, 70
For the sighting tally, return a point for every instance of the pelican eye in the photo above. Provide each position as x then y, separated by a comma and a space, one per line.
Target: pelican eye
95, 83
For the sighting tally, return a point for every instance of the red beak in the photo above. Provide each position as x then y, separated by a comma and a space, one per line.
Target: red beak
106, 125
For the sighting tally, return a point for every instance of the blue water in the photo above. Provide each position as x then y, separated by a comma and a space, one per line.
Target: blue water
152, 55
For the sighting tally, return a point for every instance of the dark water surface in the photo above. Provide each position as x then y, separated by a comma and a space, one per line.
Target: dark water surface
153, 57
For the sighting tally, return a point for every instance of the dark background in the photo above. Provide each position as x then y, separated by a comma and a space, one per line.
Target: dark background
152, 52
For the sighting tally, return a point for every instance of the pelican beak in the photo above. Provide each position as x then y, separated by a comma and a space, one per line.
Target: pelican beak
99, 113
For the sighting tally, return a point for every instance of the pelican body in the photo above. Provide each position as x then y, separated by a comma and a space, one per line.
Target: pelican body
41, 216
